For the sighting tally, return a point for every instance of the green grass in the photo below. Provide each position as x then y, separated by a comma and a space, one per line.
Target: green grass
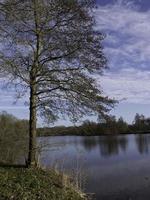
34, 184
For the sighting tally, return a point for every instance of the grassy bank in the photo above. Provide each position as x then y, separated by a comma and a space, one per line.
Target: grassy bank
34, 184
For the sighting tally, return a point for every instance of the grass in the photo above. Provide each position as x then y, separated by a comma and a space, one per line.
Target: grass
34, 184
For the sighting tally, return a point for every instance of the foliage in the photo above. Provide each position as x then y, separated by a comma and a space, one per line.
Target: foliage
140, 123
112, 126
14, 133
13, 139
52, 50
56, 52
34, 184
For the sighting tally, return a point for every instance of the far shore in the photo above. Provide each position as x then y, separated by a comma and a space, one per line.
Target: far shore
91, 134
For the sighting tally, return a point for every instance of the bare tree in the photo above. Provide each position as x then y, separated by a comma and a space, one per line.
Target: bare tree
52, 49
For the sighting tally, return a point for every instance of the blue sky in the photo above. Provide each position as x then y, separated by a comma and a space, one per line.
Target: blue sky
127, 48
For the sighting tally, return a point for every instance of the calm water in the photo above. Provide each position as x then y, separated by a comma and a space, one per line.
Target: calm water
112, 167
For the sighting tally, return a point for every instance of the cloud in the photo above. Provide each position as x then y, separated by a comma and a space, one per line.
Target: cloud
128, 85
128, 34
127, 47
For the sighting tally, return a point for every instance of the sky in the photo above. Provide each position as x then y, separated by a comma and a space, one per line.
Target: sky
126, 24
127, 48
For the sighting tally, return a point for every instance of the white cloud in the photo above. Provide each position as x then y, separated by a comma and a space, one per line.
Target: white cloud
129, 85
127, 47
127, 30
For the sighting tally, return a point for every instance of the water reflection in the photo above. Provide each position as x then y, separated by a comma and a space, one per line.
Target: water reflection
108, 145
89, 143
112, 145
143, 143
125, 174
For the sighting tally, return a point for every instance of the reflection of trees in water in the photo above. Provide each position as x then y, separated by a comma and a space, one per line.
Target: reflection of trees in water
108, 145
123, 141
111, 145
142, 142
89, 142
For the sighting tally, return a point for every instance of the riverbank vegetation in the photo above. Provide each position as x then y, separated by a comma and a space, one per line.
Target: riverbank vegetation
16, 131
34, 184
17, 182
13, 139
113, 126
26, 184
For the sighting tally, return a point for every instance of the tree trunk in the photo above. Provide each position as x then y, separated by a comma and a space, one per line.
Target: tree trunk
33, 87
32, 126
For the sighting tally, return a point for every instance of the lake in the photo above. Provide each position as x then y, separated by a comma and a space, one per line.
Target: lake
111, 167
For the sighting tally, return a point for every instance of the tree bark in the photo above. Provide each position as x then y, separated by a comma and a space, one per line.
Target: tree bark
33, 87
32, 126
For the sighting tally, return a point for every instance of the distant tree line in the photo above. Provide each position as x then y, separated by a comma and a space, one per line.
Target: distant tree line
14, 133
112, 126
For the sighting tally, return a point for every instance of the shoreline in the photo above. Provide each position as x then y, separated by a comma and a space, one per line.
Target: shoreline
91, 135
